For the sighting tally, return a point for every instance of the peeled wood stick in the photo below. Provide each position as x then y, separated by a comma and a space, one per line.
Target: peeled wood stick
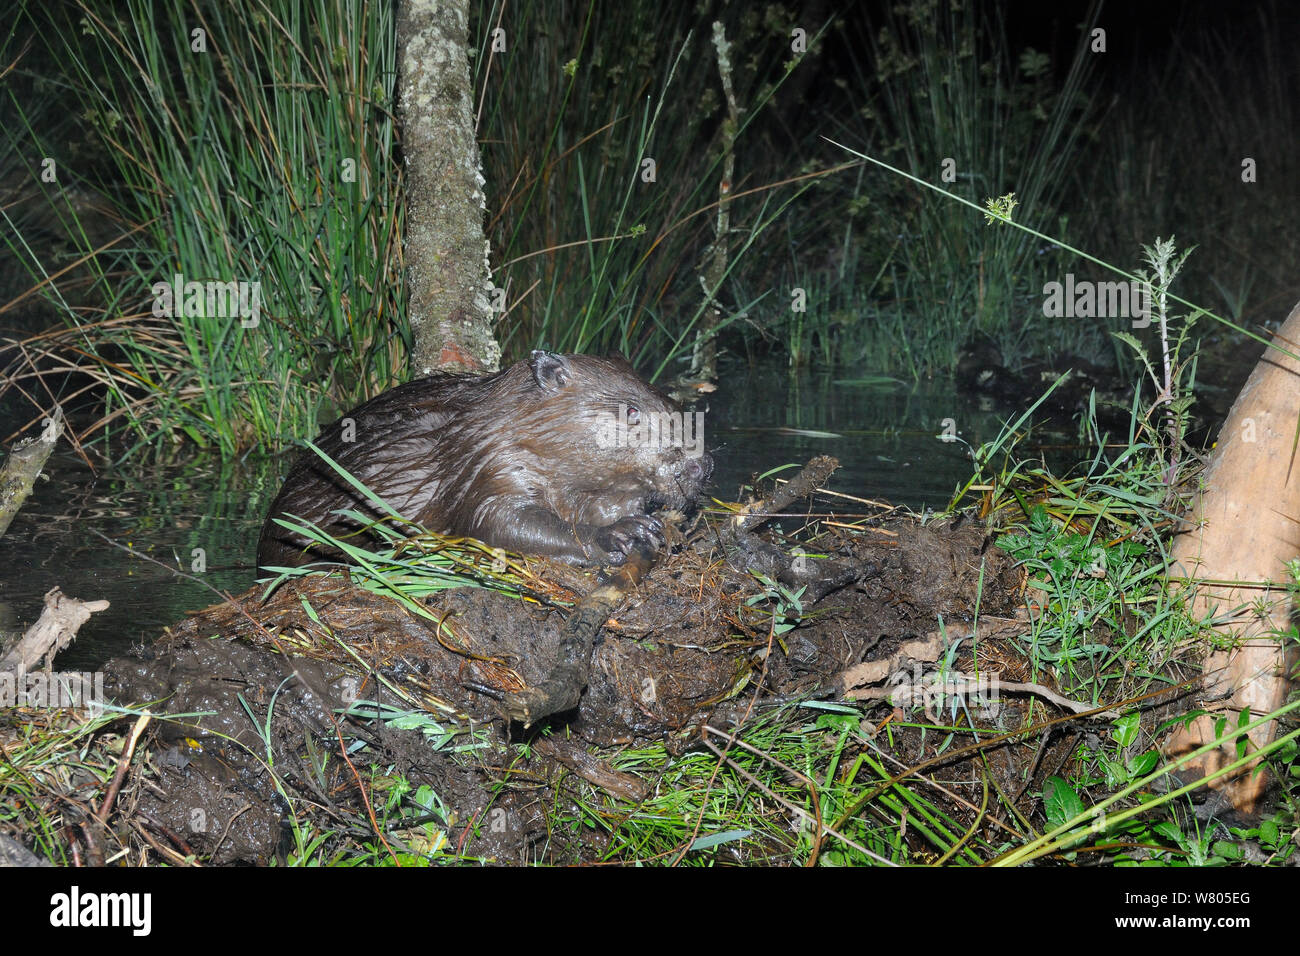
1244, 532
810, 478
52, 632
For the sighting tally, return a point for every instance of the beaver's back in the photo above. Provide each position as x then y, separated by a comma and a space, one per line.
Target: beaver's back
510, 458
389, 434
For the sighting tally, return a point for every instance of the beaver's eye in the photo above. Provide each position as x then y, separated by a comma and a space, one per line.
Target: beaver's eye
633, 415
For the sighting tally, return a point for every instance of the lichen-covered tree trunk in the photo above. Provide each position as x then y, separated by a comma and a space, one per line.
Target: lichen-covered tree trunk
704, 361
1245, 532
446, 253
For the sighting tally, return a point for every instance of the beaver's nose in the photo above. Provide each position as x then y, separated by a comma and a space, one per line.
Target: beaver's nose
698, 469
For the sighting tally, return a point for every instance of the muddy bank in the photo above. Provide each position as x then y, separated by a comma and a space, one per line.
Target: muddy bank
310, 706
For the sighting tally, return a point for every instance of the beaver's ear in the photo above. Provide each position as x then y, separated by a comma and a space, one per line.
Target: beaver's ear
551, 372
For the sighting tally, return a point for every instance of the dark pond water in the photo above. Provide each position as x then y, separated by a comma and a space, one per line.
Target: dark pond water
164, 512
883, 434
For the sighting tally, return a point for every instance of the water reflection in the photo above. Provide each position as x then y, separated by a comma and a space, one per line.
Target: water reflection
884, 432
163, 511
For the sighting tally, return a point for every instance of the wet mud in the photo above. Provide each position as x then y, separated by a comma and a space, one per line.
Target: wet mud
298, 713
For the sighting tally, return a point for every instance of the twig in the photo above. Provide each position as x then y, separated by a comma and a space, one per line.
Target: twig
900, 693
811, 478
123, 762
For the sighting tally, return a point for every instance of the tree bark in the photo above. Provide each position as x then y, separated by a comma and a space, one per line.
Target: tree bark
446, 253
704, 360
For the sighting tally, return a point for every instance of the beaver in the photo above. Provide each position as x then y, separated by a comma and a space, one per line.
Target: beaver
564, 456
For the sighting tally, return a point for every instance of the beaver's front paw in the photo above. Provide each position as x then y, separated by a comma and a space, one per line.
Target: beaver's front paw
618, 540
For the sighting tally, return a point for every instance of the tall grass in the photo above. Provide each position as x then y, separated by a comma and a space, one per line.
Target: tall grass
595, 256
1103, 162
937, 91
268, 157
229, 165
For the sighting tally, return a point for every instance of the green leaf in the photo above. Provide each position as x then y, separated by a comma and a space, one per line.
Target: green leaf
1229, 851
1115, 775
1126, 729
716, 839
1143, 764
1060, 802
1137, 347
1244, 740
847, 722
1169, 831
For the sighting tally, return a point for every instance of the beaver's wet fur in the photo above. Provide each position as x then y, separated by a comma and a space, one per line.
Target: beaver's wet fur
520, 460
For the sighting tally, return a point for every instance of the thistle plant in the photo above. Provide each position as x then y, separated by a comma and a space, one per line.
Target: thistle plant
1177, 371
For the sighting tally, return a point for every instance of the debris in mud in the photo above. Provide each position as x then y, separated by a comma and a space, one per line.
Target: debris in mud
327, 693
